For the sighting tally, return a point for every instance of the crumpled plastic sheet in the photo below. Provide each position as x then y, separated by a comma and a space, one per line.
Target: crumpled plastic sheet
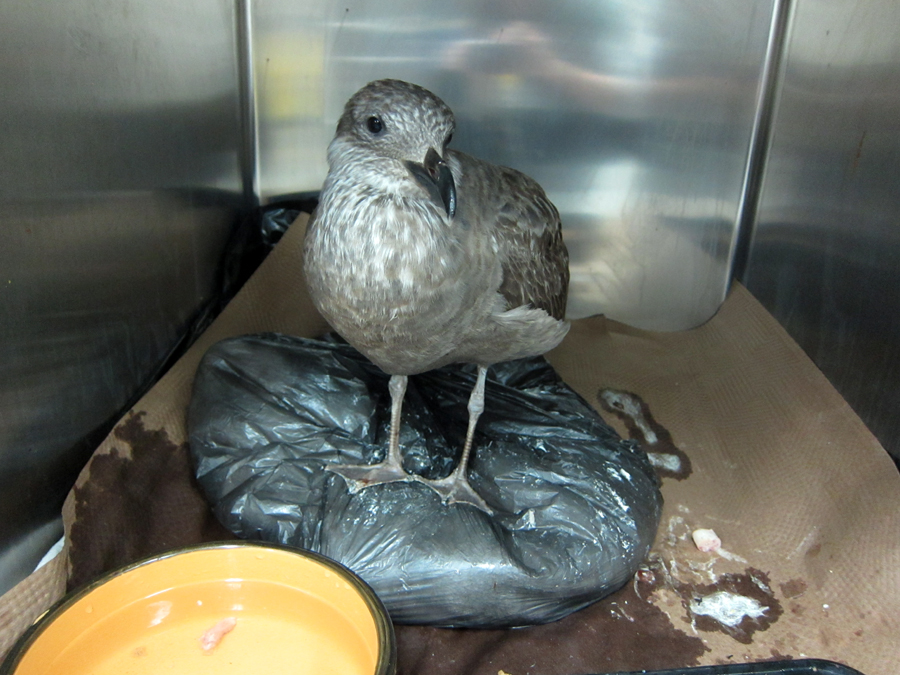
575, 507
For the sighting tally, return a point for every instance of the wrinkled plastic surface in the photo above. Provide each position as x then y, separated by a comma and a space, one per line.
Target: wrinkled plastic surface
576, 508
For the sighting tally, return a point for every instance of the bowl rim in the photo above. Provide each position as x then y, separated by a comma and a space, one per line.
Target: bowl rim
384, 628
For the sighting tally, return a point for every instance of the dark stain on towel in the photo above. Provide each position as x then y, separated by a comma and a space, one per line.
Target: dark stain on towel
622, 632
138, 506
793, 588
738, 605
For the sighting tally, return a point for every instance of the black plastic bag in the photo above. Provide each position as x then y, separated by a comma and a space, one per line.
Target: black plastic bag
575, 507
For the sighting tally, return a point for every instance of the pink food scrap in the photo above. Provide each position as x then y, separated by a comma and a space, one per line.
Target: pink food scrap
706, 540
212, 637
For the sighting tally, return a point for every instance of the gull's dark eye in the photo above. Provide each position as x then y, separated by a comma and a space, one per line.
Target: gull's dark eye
448, 139
375, 125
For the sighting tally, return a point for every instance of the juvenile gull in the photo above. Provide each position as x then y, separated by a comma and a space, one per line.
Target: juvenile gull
420, 256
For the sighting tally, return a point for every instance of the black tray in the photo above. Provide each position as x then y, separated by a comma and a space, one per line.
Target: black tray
798, 667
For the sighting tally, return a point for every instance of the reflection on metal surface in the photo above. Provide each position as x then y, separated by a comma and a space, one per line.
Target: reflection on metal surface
636, 118
825, 258
119, 181
125, 157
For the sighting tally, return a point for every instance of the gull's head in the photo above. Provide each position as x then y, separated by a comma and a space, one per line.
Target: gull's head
398, 120
405, 123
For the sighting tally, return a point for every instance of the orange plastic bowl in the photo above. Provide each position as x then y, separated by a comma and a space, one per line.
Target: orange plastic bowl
218, 608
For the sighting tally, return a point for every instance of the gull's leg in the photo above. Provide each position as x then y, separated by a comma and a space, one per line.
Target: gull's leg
397, 387
359, 476
455, 487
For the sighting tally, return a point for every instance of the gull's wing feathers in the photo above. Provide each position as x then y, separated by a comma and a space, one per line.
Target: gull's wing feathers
526, 229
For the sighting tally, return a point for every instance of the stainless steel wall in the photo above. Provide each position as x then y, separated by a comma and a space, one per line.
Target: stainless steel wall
636, 118
825, 256
119, 181
132, 134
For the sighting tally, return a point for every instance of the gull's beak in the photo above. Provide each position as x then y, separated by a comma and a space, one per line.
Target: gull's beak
435, 176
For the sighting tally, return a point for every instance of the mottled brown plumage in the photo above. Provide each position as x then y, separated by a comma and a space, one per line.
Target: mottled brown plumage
420, 256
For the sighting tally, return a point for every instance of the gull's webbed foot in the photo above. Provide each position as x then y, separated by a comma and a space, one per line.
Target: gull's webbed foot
359, 476
455, 489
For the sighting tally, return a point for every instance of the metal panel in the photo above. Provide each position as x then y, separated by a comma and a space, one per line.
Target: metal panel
636, 118
825, 257
120, 180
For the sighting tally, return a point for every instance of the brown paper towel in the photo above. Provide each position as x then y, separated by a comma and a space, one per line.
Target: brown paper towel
803, 497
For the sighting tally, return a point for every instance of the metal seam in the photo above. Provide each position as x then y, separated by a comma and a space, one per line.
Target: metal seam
760, 139
249, 151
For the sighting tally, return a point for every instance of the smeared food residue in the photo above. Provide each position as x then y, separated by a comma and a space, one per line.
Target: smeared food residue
667, 458
160, 610
738, 605
727, 608
212, 637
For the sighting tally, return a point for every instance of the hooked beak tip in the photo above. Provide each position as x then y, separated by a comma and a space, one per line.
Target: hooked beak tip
433, 162
437, 179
